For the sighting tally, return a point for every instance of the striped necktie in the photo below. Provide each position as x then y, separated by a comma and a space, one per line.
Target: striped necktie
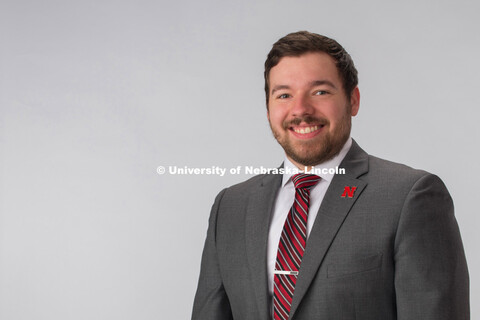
291, 246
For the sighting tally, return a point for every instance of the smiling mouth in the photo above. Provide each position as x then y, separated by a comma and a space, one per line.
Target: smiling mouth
307, 130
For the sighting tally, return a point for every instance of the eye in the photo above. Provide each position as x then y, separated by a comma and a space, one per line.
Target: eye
283, 96
320, 93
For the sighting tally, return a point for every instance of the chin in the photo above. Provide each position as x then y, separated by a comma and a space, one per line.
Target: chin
315, 153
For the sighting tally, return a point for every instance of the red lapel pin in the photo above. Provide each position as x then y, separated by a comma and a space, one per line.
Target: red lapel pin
348, 191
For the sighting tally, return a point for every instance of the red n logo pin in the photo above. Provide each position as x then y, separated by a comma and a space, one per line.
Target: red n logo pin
348, 191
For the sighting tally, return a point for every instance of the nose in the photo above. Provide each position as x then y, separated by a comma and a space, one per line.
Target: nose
301, 106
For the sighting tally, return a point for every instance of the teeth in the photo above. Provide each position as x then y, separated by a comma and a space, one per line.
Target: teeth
306, 130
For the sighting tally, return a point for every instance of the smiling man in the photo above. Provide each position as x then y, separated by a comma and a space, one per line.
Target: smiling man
308, 110
378, 242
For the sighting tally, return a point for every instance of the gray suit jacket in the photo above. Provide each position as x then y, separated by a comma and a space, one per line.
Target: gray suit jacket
392, 251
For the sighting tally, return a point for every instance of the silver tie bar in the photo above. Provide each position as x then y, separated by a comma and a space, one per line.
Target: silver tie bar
289, 273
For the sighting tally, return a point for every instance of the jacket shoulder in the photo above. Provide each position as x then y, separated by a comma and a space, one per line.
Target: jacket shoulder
398, 178
247, 184
393, 170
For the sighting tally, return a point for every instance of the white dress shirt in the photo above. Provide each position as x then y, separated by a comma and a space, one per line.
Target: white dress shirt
284, 202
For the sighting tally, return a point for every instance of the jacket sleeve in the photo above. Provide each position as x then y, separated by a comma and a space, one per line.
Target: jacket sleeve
211, 301
431, 276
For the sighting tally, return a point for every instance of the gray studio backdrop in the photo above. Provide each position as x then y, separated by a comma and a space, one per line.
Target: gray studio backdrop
95, 95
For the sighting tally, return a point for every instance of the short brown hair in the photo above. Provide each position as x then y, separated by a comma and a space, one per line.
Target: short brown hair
298, 43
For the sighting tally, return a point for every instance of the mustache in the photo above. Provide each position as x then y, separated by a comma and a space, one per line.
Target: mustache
306, 119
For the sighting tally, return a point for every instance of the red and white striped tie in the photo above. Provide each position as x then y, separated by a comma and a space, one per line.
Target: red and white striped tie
291, 246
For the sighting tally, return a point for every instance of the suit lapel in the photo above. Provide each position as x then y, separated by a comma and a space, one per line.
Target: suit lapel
257, 223
333, 211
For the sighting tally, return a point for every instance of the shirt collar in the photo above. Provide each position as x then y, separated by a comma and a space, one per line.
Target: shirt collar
332, 163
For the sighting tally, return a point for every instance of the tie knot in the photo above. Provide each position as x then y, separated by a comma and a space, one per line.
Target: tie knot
305, 181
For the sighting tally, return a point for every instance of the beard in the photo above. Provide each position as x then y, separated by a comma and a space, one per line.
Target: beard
319, 149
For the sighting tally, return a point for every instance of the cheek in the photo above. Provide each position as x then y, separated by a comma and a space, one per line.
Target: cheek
276, 117
335, 115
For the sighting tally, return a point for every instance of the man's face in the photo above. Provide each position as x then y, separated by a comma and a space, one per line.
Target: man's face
308, 111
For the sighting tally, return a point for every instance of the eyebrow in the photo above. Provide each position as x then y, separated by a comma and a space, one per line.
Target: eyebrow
314, 83
280, 87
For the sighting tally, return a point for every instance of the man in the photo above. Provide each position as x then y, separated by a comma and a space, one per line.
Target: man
377, 242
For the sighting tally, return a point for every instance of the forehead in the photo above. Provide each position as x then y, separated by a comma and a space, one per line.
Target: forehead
306, 68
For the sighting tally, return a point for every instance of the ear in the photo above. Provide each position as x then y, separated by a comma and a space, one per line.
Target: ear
355, 101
